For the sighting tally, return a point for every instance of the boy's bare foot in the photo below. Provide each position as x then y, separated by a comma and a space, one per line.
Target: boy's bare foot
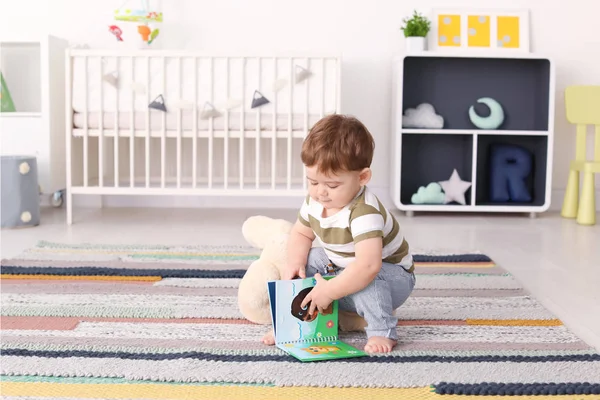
379, 344
269, 338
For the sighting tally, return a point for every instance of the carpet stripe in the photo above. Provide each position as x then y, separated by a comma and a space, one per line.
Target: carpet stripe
306, 374
199, 283
258, 345
398, 351
119, 272
422, 282
68, 323
458, 269
243, 332
515, 322
39, 254
208, 356
23, 283
121, 264
162, 391
79, 277
74, 287
172, 306
495, 389
469, 282
38, 323
98, 288
443, 264
169, 253
466, 281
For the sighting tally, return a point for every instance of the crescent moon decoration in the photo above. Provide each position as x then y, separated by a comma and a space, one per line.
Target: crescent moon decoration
494, 120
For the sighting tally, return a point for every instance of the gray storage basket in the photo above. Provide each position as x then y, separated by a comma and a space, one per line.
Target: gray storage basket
20, 192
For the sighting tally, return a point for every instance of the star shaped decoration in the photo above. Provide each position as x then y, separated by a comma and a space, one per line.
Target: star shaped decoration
455, 189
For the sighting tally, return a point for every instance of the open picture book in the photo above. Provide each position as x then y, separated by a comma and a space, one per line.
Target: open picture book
306, 337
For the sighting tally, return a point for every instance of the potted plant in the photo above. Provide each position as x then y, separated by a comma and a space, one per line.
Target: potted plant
415, 30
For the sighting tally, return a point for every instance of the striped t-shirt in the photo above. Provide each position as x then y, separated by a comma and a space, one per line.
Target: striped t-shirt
365, 217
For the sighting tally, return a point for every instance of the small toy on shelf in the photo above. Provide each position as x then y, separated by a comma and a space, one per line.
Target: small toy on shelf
492, 121
510, 167
455, 189
423, 116
432, 194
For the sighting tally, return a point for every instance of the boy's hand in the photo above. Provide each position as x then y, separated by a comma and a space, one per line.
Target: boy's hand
291, 271
318, 297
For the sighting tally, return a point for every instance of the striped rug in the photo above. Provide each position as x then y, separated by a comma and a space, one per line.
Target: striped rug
162, 322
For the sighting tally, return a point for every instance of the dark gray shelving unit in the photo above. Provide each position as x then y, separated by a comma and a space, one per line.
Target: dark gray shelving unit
452, 82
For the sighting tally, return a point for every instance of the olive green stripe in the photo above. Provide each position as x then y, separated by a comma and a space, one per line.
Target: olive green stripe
362, 210
393, 233
383, 211
330, 235
399, 254
368, 235
301, 219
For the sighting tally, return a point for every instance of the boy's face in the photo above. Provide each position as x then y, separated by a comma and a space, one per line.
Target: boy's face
335, 191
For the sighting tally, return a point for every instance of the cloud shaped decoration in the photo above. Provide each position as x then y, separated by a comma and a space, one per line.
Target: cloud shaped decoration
423, 116
432, 194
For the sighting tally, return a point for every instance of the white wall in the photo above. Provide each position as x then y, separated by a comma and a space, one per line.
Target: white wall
367, 36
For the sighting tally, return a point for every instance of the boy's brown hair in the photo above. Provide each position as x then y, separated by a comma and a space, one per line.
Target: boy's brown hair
338, 143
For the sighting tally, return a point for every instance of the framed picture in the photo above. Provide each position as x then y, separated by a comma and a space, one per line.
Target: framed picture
479, 29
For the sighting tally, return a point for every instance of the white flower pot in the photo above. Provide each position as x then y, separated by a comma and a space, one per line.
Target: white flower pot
415, 44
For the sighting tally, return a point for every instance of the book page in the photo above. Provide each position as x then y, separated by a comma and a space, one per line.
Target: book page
292, 323
318, 351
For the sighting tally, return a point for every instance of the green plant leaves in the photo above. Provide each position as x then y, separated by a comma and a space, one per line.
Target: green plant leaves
416, 25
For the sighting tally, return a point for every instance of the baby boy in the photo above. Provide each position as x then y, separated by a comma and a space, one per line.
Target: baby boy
360, 241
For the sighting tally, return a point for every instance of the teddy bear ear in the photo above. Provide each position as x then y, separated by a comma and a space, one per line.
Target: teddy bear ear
258, 229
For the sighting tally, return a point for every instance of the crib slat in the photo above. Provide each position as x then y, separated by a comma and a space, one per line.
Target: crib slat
242, 124
132, 129
163, 135
305, 133
289, 139
147, 141
101, 126
210, 128
274, 126
226, 144
179, 124
338, 86
322, 113
116, 138
195, 127
258, 132
86, 126
68, 133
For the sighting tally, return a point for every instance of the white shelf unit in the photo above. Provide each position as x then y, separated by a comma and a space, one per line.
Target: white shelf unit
34, 71
524, 84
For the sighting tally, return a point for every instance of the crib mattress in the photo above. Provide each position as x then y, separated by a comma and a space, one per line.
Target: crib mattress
299, 122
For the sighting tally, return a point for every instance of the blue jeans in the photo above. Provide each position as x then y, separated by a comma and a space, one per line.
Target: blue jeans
376, 302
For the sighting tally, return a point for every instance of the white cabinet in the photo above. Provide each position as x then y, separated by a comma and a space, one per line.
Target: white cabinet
34, 73
452, 83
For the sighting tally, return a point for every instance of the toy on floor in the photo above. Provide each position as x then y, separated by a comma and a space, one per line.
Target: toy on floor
271, 236
20, 196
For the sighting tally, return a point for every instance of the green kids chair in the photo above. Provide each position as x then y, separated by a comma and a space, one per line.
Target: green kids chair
582, 109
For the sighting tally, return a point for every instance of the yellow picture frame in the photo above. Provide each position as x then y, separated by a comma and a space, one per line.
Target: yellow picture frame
479, 30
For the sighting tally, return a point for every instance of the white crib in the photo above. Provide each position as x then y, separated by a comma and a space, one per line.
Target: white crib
210, 141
